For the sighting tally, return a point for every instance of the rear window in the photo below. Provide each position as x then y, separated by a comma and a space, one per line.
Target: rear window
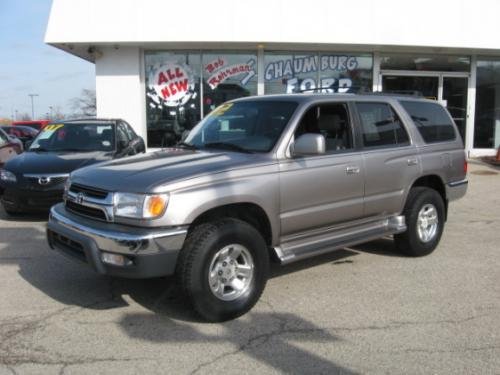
381, 126
431, 120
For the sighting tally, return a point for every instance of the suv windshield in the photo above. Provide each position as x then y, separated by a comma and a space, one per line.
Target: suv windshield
248, 126
84, 137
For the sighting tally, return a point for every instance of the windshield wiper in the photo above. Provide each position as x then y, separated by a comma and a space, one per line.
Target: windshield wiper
189, 146
227, 146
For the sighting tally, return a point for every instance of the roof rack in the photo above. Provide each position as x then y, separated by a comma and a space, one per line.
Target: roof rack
409, 93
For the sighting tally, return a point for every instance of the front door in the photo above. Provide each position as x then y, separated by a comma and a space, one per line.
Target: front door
322, 190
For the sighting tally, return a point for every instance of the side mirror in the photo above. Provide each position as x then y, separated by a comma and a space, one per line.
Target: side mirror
308, 144
28, 144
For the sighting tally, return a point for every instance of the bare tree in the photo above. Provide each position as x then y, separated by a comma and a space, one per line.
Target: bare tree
85, 104
56, 114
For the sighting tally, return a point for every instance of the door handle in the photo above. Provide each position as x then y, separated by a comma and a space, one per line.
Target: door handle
412, 161
352, 169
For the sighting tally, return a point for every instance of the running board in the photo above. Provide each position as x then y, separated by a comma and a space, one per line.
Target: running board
337, 238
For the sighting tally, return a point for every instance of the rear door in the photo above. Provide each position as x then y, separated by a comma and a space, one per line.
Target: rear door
389, 158
322, 190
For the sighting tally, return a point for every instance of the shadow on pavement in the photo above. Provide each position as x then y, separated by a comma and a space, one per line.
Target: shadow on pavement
266, 337
36, 217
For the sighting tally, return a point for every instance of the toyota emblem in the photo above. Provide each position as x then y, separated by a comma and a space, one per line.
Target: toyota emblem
44, 180
79, 198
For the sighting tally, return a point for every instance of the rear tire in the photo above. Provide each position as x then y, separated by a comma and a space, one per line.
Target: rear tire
223, 268
424, 213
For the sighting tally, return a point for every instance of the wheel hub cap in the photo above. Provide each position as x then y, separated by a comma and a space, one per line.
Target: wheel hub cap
231, 272
427, 223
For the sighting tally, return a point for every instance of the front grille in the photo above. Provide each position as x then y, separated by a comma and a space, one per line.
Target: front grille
91, 212
88, 191
52, 182
70, 247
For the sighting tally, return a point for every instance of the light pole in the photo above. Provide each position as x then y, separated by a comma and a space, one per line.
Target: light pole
32, 105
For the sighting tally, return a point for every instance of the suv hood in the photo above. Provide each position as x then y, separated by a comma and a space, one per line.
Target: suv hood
53, 162
142, 173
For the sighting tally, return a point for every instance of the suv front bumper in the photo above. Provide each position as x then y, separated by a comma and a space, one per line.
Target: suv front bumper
149, 252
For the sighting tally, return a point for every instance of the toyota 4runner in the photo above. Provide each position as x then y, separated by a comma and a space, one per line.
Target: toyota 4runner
289, 176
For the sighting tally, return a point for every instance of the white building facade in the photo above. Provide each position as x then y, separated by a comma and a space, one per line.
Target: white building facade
162, 65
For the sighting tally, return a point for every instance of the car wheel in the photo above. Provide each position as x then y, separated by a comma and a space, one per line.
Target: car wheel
223, 268
424, 213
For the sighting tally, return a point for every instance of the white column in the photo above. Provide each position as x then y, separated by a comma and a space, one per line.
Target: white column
260, 71
471, 107
120, 86
377, 83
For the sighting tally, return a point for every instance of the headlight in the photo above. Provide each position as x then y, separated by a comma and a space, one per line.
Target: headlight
7, 176
140, 206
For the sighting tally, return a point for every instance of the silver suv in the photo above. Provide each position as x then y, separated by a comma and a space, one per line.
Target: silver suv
291, 176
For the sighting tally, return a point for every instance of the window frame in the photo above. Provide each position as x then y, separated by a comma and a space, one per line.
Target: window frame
359, 127
352, 125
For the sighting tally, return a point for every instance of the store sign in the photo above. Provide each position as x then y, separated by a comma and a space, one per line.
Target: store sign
219, 71
287, 70
172, 84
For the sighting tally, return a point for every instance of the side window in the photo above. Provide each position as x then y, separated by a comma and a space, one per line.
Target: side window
431, 120
330, 120
381, 127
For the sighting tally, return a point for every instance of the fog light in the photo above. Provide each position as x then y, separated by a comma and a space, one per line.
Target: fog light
115, 259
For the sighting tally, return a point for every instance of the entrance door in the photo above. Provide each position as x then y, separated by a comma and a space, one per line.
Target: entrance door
449, 89
455, 97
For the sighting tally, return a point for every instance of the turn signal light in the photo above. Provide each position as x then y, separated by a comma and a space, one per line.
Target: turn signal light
155, 205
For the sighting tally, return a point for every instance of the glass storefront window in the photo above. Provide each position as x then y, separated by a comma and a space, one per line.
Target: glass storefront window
346, 73
184, 86
487, 118
227, 76
172, 95
290, 73
326, 72
441, 63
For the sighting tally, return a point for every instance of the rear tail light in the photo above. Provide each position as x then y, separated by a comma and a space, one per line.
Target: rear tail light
466, 166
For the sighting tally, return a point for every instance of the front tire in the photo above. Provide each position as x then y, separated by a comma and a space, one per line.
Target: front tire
424, 212
223, 268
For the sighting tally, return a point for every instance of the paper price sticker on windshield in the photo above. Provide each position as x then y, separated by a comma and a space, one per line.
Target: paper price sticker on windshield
219, 111
52, 127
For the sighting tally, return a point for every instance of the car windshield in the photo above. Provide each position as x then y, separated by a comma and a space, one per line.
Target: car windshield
247, 126
84, 137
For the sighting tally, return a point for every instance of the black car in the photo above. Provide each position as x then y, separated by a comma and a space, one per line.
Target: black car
24, 133
34, 180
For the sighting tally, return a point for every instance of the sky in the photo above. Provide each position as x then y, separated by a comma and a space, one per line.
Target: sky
29, 66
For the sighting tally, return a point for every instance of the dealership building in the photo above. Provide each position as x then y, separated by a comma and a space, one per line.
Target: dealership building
163, 65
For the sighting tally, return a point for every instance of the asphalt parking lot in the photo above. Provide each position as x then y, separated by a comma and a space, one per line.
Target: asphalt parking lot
364, 309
